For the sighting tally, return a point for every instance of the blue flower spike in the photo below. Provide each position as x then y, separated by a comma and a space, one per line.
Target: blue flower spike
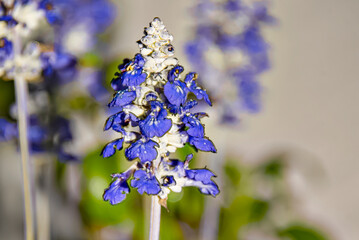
154, 120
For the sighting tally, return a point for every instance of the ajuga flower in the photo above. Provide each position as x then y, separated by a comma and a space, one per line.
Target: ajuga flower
155, 116
229, 45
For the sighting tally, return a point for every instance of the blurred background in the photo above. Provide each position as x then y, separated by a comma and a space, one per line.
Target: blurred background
289, 171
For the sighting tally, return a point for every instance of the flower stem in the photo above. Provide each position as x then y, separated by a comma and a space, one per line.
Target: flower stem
155, 219
21, 101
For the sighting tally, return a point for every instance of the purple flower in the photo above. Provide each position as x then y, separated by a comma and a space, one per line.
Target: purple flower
236, 37
144, 150
117, 191
145, 182
154, 118
111, 147
155, 124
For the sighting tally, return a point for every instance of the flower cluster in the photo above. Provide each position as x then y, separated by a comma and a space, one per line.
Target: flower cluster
40, 137
154, 118
229, 45
70, 28
37, 42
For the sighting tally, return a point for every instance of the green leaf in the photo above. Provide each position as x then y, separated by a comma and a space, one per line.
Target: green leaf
170, 227
182, 153
274, 167
7, 97
90, 59
242, 211
187, 206
233, 173
301, 232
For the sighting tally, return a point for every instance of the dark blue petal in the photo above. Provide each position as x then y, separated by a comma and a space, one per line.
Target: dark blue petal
202, 144
203, 175
139, 61
210, 189
175, 92
117, 191
190, 104
201, 94
174, 73
155, 126
111, 147
133, 78
145, 151
190, 80
145, 182
131, 73
123, 98
168, 181
177, 165
109, 122
195, 128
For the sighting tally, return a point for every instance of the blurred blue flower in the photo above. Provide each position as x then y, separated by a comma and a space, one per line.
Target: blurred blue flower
8, 130
228, 45
41, 138
53, 59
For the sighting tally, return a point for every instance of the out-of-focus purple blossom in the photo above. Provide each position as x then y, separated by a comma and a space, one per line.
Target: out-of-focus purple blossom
41, 138
230, 52
8, 130
76, 22
71, 30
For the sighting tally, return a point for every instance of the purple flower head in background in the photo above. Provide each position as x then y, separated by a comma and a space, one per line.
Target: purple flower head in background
54, 35
230, 52
155, 101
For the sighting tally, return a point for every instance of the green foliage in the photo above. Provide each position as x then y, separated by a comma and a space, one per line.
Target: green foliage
186, 150
83, 103
7, 97
301, 232
274, 167
242, 211
91, 59
187, 207
170, 227
233, 173
97, 213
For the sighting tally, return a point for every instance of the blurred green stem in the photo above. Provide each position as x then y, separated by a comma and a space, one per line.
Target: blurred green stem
21, 91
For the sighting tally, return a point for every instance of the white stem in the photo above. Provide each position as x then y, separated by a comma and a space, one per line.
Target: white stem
155, 219
21, 101
155, 209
